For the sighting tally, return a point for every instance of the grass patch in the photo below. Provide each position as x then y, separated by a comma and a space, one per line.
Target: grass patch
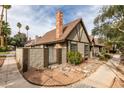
4, 52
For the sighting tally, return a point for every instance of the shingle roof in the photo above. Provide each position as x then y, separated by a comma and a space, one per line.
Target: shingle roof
30, 43
50, 37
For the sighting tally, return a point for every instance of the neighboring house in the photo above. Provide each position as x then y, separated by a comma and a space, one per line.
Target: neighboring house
96, 46
72, 36
32, 42
29, 43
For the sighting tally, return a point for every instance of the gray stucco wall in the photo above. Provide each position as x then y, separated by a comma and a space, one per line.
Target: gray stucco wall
19, 56
36, 57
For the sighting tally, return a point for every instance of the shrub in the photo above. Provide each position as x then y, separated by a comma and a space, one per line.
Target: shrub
101, 57
104, 56
108, 56
3, 49
10, 48
122, 50
74, 57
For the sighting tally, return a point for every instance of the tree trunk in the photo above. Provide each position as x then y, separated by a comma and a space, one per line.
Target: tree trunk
2, 41
5, 38
19, 30
6, 16
1, 19
1, 37
27, 35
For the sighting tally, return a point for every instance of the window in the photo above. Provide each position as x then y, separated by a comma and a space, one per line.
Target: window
73, 47
86, 50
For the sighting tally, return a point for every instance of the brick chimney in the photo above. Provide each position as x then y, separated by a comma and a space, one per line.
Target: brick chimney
59, 24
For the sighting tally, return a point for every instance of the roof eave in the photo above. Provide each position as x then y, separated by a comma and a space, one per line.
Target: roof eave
53, 42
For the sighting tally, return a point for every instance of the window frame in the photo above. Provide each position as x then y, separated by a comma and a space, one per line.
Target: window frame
73, 46
86, 50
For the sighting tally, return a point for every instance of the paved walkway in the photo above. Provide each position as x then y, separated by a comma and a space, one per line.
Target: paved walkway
102, 78
11, 77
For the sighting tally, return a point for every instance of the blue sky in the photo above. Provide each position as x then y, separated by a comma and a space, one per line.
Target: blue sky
41, 18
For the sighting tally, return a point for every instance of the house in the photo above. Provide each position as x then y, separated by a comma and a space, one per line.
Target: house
72, 36
96, 46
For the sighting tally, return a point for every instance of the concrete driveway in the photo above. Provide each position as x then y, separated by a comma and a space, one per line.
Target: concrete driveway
10, 77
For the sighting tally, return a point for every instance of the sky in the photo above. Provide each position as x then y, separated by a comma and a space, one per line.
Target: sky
41, 18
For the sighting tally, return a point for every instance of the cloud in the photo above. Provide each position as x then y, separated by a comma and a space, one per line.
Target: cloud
38, 21
87, 13
42, 18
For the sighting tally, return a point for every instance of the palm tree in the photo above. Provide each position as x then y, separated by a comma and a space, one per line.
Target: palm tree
6, 32
27, 28
1, 20
19, 25
2, 36
7, 7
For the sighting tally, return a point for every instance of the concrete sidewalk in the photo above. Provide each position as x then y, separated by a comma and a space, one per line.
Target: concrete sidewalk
102, 78
11, 77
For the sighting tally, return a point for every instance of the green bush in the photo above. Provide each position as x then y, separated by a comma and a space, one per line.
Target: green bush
108, 56
3, 49
101, 57
104, 56
122, 50
74, 57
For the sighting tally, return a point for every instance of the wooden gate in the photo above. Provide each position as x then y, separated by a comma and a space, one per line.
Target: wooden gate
52, 55
25, 59
59, 55
46, 57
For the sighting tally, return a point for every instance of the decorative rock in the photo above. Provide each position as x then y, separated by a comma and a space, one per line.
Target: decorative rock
53, 67
65, 69
72, 70
78, 69
85, 68
85, 71
85, 75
